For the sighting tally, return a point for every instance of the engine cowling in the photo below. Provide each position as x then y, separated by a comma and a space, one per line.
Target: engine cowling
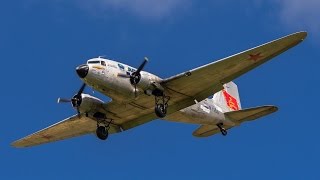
88, 103
147, 82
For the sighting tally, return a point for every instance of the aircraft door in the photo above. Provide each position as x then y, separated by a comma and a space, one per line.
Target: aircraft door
105, 69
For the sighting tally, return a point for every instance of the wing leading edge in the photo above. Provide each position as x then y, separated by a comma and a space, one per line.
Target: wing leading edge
201, 80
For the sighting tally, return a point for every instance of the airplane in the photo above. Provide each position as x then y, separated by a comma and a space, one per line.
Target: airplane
138, 97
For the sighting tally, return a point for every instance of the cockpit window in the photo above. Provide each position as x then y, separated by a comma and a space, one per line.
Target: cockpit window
93, 62
103, 63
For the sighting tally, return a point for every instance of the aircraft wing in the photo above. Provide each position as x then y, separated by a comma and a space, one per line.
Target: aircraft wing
199, 83
68, 128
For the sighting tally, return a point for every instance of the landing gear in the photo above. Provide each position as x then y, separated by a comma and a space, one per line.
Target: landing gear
161, 105
223, 131
102, 132
103, 125
160, 110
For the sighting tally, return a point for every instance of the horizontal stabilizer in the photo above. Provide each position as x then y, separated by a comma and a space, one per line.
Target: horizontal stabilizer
208, 130
237, 117
250, 114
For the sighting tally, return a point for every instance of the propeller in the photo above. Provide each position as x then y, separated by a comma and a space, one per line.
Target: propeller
63, 100
75, 100
135, 77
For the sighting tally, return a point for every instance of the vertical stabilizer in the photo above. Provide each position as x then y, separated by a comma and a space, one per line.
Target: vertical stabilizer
228, 99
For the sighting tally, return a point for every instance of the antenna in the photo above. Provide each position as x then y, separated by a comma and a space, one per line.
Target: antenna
103, 56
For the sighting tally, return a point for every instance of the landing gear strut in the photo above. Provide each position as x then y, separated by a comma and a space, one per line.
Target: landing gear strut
161, 105
223, 131
103, 126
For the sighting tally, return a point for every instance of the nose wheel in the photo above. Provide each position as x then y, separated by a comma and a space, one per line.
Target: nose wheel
223, 131
161, 105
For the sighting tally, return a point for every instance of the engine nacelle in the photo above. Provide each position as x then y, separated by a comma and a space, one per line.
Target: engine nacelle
89, 103
147, 82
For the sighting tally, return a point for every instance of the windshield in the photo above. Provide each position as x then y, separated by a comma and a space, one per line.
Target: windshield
103, 63
93, 62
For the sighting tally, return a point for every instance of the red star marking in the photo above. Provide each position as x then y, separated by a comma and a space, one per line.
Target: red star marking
255, 57
46, 136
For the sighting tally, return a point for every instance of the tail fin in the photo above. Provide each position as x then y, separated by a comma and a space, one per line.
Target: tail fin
228, 99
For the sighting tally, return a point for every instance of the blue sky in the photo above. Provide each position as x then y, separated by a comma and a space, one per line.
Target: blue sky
41, 43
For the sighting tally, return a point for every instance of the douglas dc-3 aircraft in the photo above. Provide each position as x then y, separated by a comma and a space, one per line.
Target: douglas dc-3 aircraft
139, 97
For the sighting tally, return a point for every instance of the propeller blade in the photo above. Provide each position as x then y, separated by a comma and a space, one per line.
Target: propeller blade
78, 111
135, 91
63, 100
81, 89
123, 75
142, 65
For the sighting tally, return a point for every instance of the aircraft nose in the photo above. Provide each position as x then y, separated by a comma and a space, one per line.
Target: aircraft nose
82, 70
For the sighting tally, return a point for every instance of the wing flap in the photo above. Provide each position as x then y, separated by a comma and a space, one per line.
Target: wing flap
68, 128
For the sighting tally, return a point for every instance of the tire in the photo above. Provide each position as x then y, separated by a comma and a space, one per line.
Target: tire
160, 110
224, 132
102, 133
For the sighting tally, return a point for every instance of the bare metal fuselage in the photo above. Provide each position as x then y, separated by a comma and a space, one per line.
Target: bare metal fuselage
106, 80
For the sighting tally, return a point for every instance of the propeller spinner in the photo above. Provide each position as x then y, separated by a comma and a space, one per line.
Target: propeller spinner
135, 77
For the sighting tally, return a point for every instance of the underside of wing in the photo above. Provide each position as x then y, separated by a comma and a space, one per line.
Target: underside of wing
206, 80
68, 128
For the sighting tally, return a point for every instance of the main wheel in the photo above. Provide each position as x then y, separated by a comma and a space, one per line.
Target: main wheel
102, 132
160, 110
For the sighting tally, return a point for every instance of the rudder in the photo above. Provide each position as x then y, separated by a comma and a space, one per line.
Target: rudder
228, 99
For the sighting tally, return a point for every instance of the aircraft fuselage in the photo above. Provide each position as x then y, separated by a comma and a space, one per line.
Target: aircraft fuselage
106, 76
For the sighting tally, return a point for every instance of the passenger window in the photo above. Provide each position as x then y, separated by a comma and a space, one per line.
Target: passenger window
103, 63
